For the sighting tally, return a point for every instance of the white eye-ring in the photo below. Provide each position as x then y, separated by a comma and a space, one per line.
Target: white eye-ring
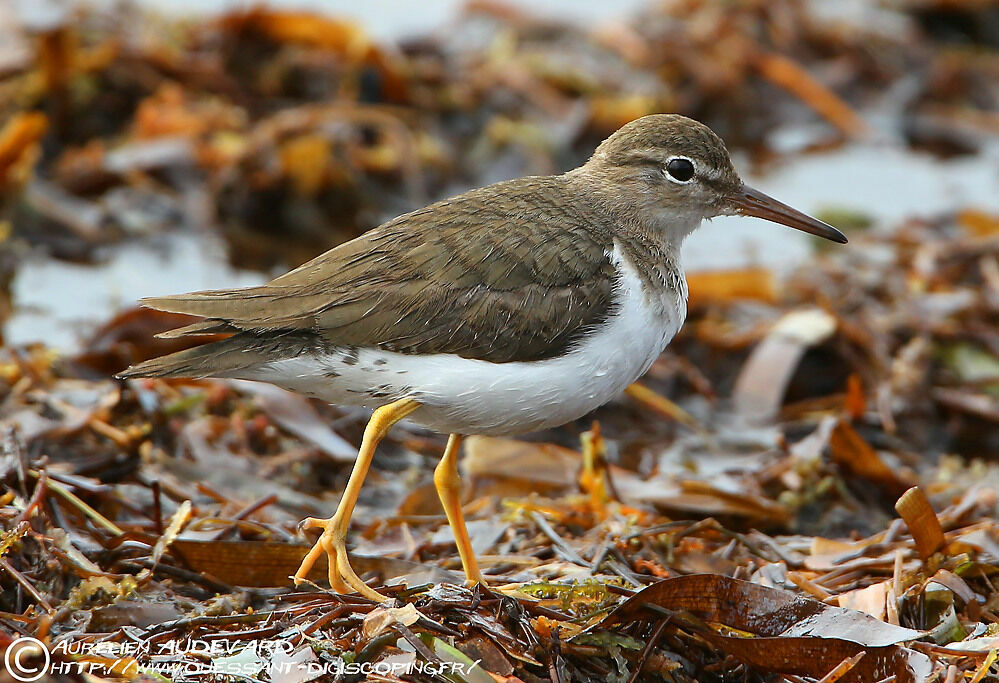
679, 170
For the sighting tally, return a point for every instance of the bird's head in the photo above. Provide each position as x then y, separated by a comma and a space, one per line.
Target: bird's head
674, 172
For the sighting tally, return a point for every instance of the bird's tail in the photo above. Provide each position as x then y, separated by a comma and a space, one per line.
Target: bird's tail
207, 360
236, 357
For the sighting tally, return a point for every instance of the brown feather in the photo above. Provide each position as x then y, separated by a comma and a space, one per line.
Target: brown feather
535, 277
199, 328
224, 358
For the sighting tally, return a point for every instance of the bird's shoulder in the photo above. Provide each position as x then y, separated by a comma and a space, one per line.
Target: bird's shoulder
503, 235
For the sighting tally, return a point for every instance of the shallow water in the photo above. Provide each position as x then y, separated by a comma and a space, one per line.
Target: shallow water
62, 303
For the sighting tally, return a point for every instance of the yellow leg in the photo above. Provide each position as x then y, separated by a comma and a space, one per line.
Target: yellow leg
334, 538
449, 489
593, 478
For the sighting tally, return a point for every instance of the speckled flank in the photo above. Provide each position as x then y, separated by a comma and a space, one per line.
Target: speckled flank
477, 397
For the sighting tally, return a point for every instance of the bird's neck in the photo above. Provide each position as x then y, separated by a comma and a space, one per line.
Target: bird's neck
635, 215
648, 241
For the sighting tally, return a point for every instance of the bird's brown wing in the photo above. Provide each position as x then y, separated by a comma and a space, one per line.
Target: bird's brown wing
487, 275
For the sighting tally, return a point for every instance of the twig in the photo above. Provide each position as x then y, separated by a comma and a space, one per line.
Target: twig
417, 644
208, 620
207, 490
120, 437
246, 512
792, 77
560, 545
12, 447
332, 615
36, 498
210, 583
805, 584
842, 668
555, 664
985, 667
157, 507
23, 580
661, 405
647, 650
75, 501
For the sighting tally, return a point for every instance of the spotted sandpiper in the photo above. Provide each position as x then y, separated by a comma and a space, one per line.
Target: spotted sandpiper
508, 309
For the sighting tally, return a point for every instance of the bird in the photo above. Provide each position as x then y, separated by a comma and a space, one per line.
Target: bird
508, 309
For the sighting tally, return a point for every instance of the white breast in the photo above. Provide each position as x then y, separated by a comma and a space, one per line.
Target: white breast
478, 397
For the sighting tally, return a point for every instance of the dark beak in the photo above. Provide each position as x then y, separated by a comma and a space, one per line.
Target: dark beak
750, 202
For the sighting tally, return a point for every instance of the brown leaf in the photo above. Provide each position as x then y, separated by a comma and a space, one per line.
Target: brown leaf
661, 405
245, 563
796, 635
130, 337
970, 402
478, 648
762, 382
131, 613
306, 160
978, 223
850, 450
914, 507
19, 146
295, 414
788, 74
764, 611
539, 463
610, 112
869, 600
855, 403
722, 286
383, 618
266, 563
956, 584
720, 502
302, 28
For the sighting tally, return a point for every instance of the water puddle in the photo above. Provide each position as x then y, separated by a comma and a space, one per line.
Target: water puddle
61, 303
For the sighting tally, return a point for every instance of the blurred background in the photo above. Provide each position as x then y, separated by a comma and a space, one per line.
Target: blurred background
161, 146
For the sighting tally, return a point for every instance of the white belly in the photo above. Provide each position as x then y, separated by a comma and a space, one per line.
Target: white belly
477, 397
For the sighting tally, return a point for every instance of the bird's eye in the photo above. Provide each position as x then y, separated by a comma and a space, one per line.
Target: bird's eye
680, 169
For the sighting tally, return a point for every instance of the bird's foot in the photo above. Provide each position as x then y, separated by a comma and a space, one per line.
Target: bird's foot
333, 542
